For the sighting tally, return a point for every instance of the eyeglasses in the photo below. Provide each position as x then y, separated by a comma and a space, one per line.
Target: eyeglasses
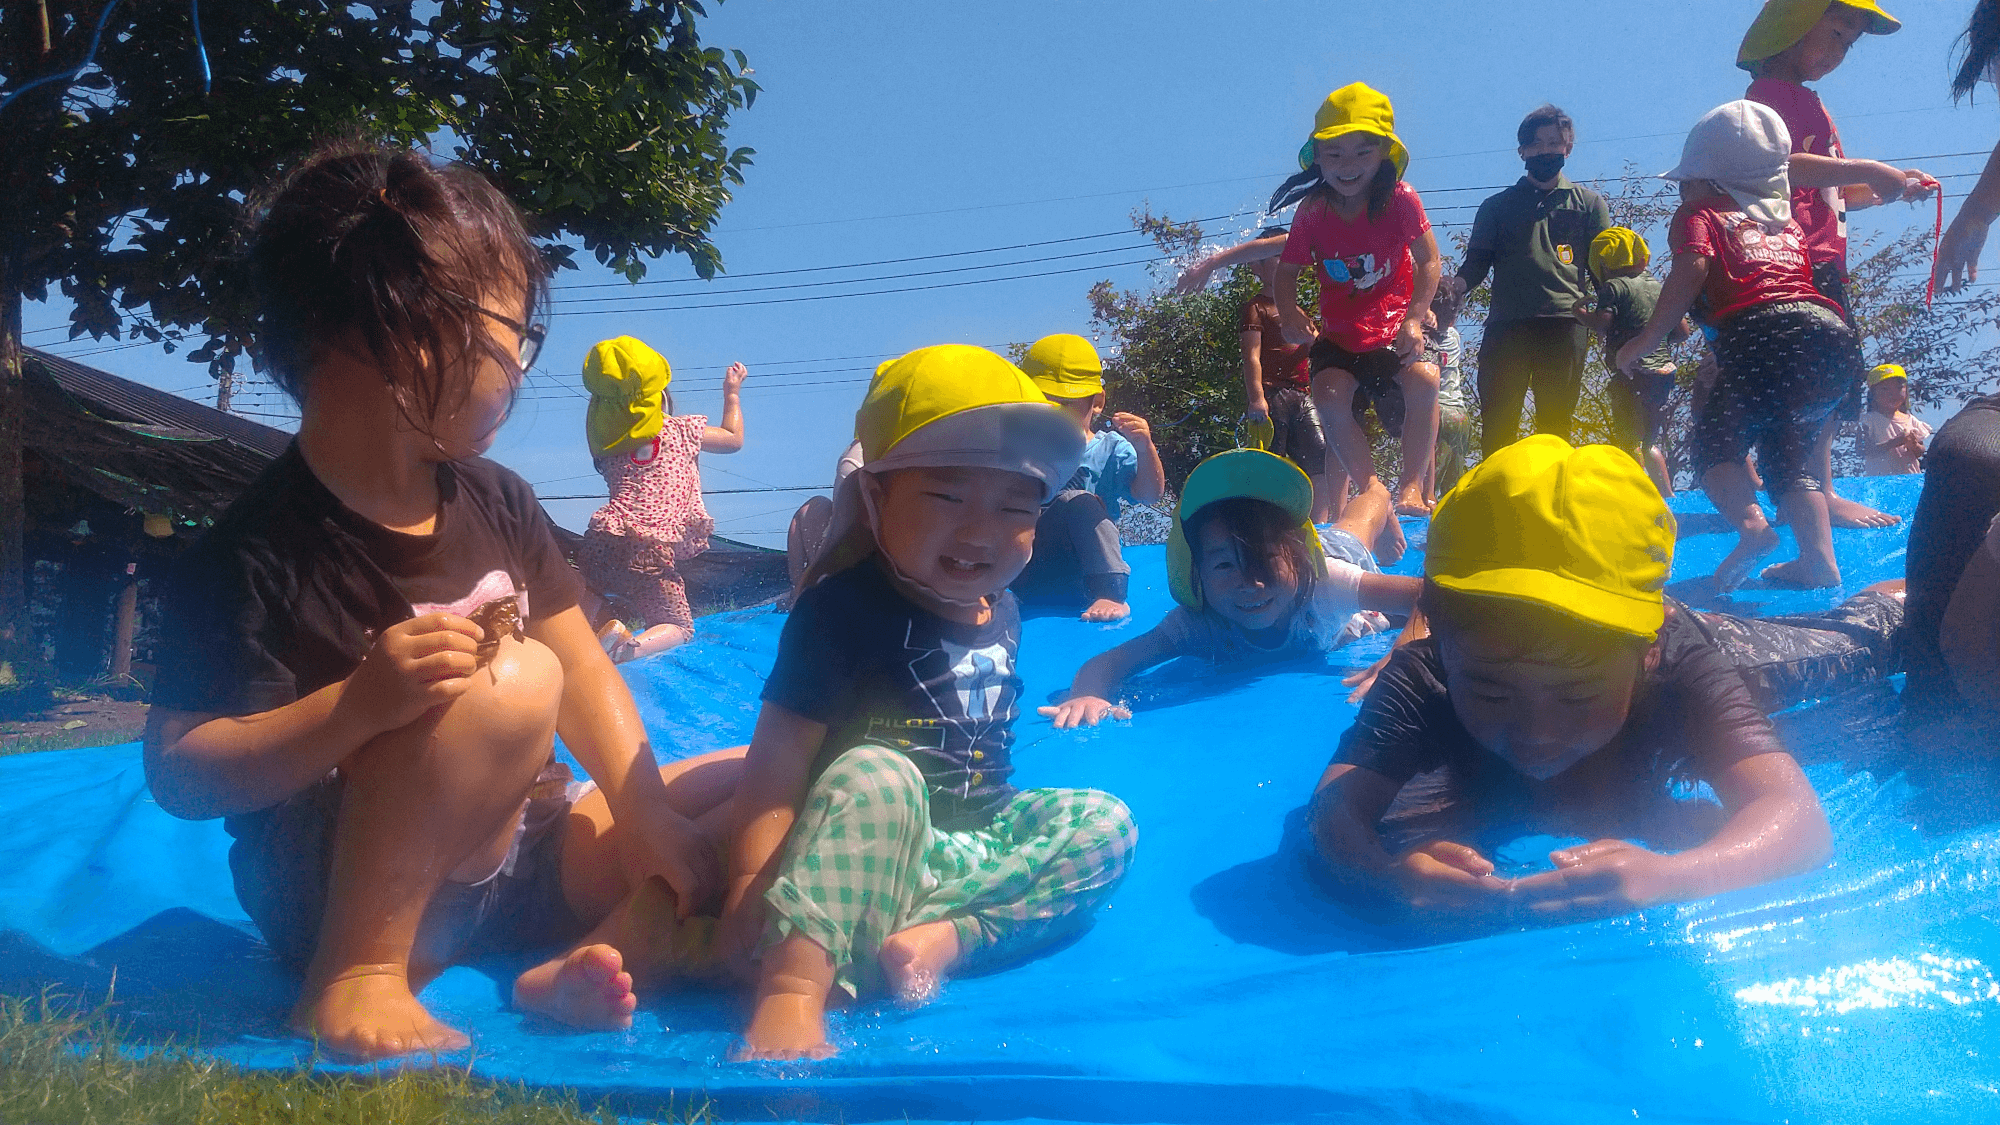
532, 335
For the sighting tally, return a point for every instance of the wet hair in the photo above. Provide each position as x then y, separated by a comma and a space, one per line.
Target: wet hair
1309, 185
1445, 304
1271, 543
1545, 114
1526, 630
365, 241
1978, 47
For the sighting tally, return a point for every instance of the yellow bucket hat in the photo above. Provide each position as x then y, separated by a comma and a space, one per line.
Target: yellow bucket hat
947, 406
1579, 531
1237, 473
1785, 22
1885, 372
1617, 248
625, 379
1064, 366
1356, 108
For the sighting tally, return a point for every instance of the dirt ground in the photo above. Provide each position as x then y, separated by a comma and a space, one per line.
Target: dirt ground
79, 722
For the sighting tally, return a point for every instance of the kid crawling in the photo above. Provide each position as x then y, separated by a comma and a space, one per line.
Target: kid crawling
877, 842
380, 639
1255, 581
1559, 685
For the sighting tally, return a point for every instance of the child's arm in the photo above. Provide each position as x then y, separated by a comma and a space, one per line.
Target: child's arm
202, 766
1677, 296
1149, 479
1243, 253
1864, 183
1089, 699
1389, 593
600, 724
728, 437
1429, 271
1415, 629
1682, 330
1298, 327
1439, 876
1598, 320
1775, 828
776, 774
1251, 340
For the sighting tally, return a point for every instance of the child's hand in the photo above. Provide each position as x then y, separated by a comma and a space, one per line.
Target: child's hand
1919, 185
1629, 355
1447, 877
1084, 711
415, 665
1409, 339
1296, 326
1596, 879
1133, 428
1364, 679
662, 842
732, 379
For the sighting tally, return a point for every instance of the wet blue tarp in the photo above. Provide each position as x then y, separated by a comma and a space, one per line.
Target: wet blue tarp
1220, 985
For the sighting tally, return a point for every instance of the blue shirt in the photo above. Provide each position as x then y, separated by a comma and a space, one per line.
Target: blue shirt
1109, 465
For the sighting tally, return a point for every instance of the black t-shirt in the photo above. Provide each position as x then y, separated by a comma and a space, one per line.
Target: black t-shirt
1692, 716
286, 593
859, 657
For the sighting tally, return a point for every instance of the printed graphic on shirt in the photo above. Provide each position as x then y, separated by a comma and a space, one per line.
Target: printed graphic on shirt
977, 693
1363, 272
1783, 248
495, 585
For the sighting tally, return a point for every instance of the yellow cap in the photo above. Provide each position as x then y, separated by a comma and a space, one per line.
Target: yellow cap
1785, 22
625, 379
1579, 531
1886, 371
1357, 108
1064, 366
1237, 473
1617, 248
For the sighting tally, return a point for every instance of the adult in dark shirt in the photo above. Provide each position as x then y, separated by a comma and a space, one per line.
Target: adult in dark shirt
1954, 516
1535, 238
374, 647
1558, 684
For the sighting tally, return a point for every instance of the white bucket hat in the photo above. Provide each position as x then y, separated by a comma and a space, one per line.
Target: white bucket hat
1744, 147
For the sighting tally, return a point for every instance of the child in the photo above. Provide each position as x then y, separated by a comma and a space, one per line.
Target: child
1364, 229
648, 457
1791, 43
1626, 297
1076, 542
1254, 581
1277, 379
1560, 687
1445, 351
378, 641
877, 841
1784, 353
1892, 441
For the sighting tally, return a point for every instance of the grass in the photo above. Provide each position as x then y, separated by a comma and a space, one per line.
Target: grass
59, 1066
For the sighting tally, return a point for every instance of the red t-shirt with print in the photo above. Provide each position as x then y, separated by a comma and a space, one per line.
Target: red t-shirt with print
1820, 212
1366, 273
1746, 267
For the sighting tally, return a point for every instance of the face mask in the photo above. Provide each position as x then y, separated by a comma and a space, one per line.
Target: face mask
1543, 167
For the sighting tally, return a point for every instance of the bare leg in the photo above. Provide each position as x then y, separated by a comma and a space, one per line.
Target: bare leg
1844, 513
1371, 519
1729, 489
1655, 461
1805, 509
788, 1020
1323, 498
1346, 444
655, 640
1420, 431
916, 961
429, 801
1337, 487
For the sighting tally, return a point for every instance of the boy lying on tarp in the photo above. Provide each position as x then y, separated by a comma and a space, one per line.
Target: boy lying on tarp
1559, 687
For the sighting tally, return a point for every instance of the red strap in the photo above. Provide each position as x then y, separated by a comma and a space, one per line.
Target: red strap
1937, 241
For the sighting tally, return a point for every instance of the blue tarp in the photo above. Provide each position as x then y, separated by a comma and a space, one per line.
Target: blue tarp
1219, 985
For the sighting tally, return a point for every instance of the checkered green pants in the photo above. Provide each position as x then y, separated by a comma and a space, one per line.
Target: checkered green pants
863, 862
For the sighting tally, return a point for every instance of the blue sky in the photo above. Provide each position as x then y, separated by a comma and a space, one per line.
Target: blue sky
898, 130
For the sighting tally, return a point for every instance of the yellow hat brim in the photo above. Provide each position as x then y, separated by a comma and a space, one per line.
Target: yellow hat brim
1398, 155
1781, 23
1634, 616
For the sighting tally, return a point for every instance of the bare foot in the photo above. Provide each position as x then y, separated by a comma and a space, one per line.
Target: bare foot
368, 1013
1800, 572
916, 961
1104, 609
1411, 502
589, 988
1389, 542
1848, 513
785, 1026
1750, 546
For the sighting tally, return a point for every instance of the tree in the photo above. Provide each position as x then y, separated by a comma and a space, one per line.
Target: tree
126, 173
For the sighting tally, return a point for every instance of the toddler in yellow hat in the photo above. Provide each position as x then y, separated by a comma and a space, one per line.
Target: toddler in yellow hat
654, 519
1560, 688
1255, 581
1079, 557
1626, 297
1364, 230
875, 843
1892, 439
